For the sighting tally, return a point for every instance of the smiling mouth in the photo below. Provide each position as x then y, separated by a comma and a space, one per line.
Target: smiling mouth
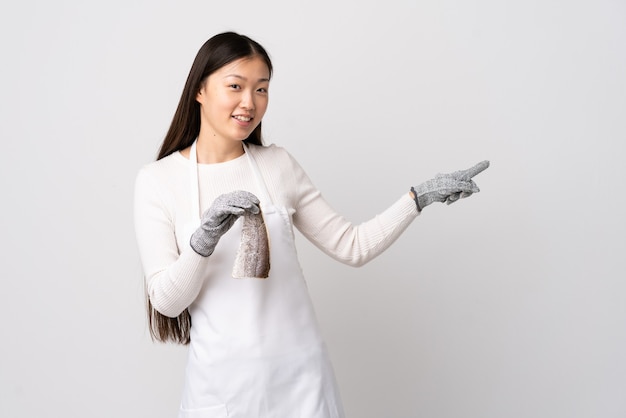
243, 118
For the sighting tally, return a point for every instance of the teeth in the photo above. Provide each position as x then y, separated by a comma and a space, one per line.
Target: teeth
243, 118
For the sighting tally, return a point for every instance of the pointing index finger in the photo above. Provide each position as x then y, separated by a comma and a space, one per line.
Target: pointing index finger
477, 169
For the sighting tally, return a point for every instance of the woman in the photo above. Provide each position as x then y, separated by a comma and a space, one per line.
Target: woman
255, 346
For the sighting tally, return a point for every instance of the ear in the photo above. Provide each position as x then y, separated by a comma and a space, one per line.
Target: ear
199, 95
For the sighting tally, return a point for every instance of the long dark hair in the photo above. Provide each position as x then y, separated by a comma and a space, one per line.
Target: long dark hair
218, 51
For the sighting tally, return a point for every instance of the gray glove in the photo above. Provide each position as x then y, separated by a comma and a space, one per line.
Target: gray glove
448, 187
220, 217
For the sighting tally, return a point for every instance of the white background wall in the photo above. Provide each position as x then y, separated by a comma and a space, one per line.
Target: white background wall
508, 304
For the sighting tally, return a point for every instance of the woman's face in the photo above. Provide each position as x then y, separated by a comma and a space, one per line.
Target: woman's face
234, 99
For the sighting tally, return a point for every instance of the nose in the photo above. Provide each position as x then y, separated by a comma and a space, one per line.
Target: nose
247, 101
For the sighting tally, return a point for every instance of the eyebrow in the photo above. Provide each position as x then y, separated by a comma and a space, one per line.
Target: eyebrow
243, 78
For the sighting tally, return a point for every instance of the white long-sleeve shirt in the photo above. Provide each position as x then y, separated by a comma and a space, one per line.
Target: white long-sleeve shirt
174, 272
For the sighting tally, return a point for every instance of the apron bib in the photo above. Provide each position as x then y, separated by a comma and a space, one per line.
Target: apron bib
256, 350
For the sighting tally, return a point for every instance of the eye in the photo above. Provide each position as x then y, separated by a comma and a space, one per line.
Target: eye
262, 90
234, 86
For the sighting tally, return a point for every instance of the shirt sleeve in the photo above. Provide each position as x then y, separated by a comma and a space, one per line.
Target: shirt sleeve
173, 278
344, 241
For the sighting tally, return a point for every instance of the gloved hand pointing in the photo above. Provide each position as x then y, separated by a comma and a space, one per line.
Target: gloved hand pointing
448, 187
220, 217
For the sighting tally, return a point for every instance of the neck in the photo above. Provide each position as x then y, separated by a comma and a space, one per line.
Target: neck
212, 151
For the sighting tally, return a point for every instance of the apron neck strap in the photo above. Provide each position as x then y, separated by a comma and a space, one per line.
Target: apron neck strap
194, 183
264, 195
